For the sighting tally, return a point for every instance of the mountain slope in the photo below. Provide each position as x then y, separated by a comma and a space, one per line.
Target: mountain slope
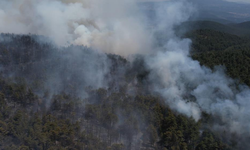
235, 29
48, 102
214, 48
243, 25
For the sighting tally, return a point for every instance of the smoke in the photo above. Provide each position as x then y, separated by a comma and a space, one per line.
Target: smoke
190, 88
75, 69
119, 27
111, 26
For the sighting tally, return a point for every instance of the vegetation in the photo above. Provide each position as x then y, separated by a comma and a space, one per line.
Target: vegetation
122, 116
241, 29
117, 121
115, 118
213, 48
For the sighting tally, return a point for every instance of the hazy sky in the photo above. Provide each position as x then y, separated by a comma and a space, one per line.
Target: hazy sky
236, 1
239, 1
221, 1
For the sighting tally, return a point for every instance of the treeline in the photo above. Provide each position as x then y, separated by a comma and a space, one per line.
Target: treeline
210, 40
241, 29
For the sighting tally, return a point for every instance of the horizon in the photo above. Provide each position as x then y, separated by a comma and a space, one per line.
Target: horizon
230, 11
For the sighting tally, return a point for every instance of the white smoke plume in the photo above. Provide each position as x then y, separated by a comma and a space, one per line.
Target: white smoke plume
119, 27
189, 88
110, 25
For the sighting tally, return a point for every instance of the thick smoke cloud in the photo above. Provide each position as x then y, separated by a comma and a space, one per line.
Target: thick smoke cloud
112, 26
119, 27
191, 89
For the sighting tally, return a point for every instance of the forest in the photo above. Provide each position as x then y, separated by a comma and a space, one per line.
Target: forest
214, 48
124, 75
48, 102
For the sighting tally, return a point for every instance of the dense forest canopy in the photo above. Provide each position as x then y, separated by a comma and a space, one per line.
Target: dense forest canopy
106, 119
36, 117
213, 48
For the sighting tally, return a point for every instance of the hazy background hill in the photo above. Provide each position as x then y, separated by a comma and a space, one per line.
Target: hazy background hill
243, 25
222, 11
212, 10
239, 29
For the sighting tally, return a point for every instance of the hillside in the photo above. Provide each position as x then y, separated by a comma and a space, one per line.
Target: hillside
241, 29
243, 25
205, 40
53, 97
48, 102
215, 44
213, 48
124, 75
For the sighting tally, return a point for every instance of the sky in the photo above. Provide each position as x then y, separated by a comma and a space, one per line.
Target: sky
231, 11
235, 1
239, 1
